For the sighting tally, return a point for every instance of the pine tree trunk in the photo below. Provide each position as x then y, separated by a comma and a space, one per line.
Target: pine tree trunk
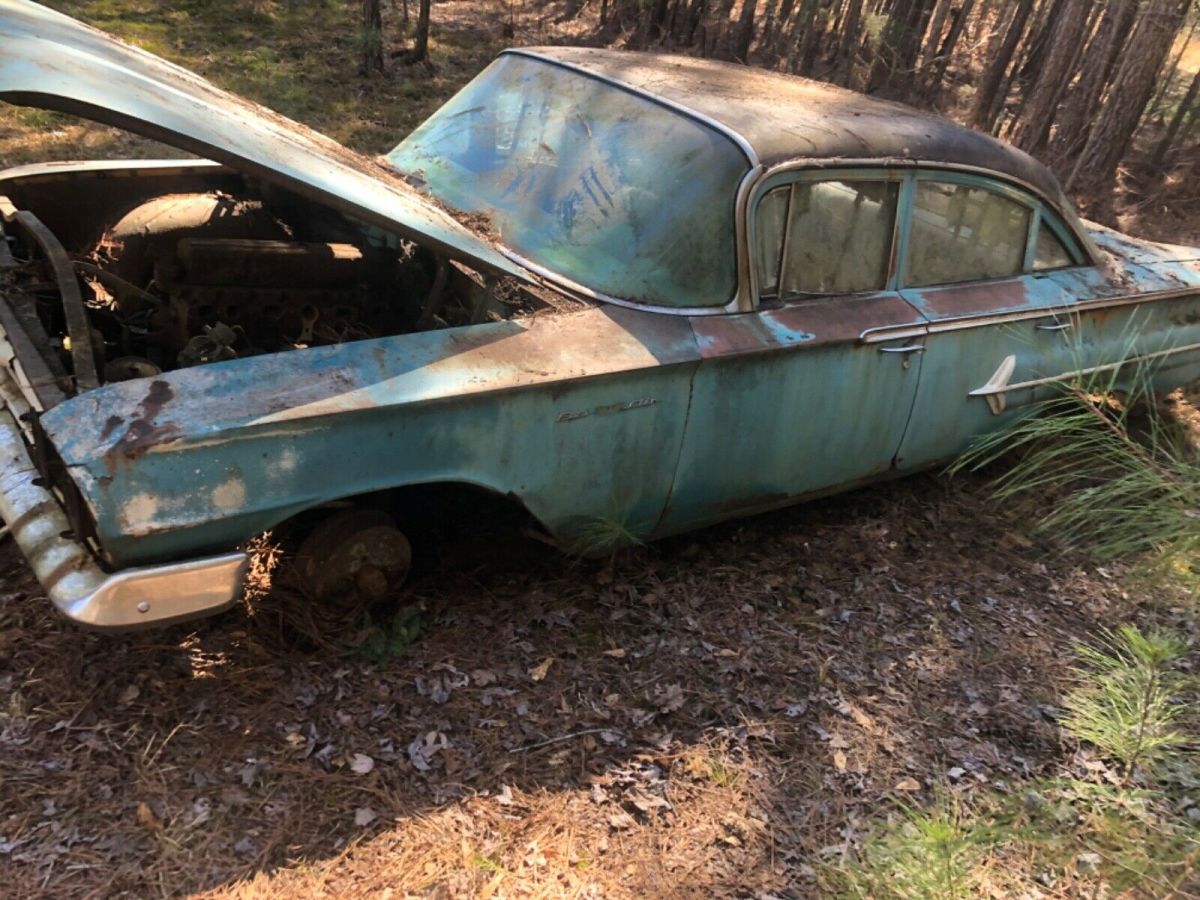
420, 48
1164, 83
941, 60
745, 31
848, 43
372, 38
1186, 107
982, 115
899, 46
1057, 69
1131, 90
1085, 98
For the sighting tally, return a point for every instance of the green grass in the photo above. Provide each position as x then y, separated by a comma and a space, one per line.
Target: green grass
1094, 836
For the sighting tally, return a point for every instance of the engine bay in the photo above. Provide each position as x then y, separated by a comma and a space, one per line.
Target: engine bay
189, 277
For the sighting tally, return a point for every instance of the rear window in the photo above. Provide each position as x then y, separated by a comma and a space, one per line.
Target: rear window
590, 181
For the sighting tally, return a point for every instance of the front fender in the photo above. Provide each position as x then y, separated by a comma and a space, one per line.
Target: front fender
577, 415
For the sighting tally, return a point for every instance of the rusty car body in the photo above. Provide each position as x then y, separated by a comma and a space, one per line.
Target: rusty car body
649, 291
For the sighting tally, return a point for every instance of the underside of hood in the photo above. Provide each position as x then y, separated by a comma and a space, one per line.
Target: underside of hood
50, 61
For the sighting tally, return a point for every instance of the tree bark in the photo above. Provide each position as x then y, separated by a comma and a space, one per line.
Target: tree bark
941, 60
372, 38
899, 45
1186, 108
1164, 83
1097, 67
847, 51
1131, 90
982, 115
420, 47
745, 31
1058, 67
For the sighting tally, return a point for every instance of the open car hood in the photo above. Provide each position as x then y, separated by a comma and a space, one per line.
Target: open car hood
51, 61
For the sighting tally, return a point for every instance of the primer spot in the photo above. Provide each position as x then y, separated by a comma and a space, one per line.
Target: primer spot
229, 495
284, 465
138, 510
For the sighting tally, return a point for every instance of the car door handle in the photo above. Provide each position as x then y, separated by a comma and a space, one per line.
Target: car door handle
907, 348
1057, 326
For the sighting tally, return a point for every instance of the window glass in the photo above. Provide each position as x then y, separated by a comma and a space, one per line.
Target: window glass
962, 233
840, 236
1050, 254
772, 210
591, 181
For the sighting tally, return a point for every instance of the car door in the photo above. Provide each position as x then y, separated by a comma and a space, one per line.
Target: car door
983, 262
786, 401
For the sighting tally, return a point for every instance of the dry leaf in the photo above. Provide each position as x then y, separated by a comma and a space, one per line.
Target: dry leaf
147, 816
361, 764
911, 785
483, 677
839, 760
616, 652
621, 820
538, 672
861, 718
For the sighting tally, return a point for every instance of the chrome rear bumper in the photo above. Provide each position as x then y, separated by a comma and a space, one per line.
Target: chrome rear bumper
75, 583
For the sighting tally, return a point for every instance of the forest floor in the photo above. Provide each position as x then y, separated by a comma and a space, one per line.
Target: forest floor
727, 713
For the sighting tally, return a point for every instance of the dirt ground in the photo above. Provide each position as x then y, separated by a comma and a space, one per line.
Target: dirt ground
722, 714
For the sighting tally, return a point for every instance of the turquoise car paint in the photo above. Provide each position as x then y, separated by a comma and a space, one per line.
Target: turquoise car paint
788, 403
204, 458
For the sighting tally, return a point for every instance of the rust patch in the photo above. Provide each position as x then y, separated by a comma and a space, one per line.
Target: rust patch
159, 395
113, 423
806, 324
142, 433
958, 300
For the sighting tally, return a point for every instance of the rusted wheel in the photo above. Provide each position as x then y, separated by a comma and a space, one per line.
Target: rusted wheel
356, 555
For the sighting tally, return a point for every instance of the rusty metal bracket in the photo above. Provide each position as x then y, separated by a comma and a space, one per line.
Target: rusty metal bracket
83, 355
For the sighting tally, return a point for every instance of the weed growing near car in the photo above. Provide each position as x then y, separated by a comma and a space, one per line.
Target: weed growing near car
1099, 832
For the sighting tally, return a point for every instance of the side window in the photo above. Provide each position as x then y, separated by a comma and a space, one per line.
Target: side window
1050, 252
963, 233
826, 237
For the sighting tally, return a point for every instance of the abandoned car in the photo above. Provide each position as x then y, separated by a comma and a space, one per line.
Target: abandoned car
630, 294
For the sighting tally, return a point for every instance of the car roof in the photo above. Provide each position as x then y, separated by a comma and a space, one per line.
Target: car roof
784, 117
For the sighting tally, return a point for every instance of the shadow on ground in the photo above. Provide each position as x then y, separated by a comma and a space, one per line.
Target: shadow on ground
723, 712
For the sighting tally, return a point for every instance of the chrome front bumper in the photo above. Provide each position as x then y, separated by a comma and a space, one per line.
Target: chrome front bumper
74, 582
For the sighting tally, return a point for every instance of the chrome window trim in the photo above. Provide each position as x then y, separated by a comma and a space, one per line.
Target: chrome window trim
980, 320
1086, 247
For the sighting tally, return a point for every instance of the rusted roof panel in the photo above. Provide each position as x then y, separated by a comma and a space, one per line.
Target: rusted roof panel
784, 117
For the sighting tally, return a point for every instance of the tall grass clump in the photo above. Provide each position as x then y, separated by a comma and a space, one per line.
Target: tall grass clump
1111, 473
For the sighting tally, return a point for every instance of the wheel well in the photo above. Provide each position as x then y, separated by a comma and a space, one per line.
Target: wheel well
437, 514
